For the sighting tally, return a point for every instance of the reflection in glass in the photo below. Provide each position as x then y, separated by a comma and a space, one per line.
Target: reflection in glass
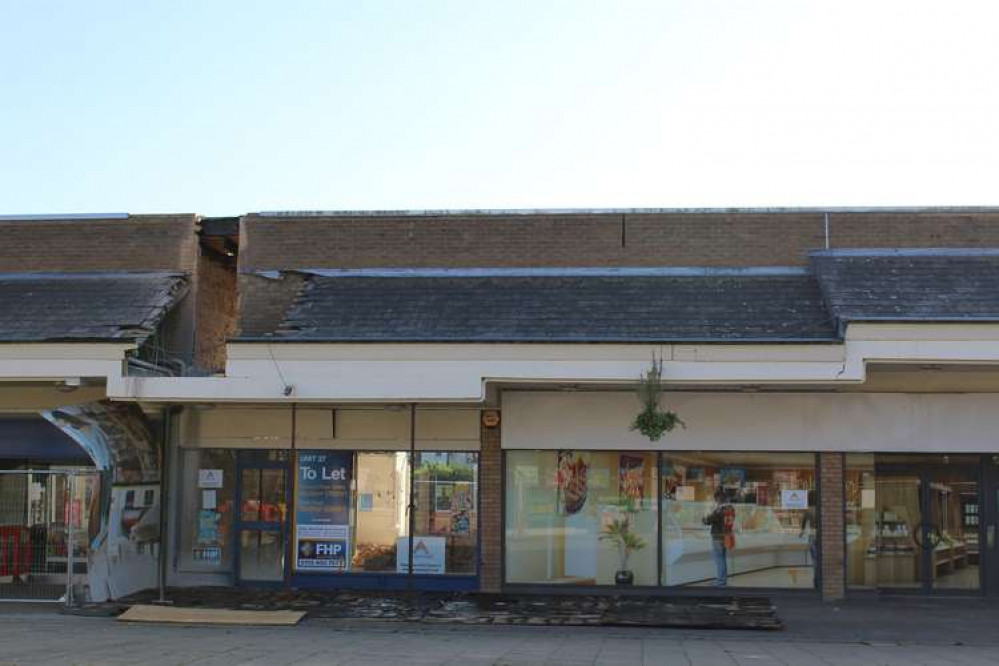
898, 527
860, 521
381, 518
739, 519
954, 527
263, 495
580, 517
261, 555
206, 514
891, 543
446, 491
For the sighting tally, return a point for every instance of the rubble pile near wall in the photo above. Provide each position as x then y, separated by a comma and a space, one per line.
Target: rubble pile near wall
714, 612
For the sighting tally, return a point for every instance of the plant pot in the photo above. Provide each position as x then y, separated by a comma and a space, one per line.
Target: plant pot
624, 578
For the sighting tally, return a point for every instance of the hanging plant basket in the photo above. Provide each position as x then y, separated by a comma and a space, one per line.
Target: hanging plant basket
654, 421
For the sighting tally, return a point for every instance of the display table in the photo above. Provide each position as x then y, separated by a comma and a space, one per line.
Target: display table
948, 558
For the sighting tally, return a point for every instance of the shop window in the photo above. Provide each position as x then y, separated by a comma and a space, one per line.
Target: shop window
581, 517
859, 520
381, 520
912, 521
739, 519
445, 486
352, 512
207, 484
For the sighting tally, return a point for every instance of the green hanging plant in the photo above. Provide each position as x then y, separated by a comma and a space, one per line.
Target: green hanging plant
654, 421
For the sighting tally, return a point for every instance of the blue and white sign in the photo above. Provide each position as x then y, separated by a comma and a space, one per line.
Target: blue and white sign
794, 499
322, 511
428, 555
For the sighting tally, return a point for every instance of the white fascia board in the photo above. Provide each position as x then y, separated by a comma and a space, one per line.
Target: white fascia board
460, 372
450, 372
925, 332
57, 361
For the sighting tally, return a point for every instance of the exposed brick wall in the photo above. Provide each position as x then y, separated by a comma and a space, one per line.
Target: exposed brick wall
831, 525
528, 240
215, 311
600, 239
263, 302
914, 230
138, 242
491, 508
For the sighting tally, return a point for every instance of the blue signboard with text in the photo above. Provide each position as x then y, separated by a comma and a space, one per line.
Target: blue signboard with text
322, 511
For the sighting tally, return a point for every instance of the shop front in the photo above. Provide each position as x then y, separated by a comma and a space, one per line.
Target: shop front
365, 511
652, 519
50, 504
748, 495
760, 492
921, 523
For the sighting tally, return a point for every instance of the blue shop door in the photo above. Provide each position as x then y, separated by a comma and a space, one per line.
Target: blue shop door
262, 498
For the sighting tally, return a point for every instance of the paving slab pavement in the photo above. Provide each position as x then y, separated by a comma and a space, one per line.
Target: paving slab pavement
964, 632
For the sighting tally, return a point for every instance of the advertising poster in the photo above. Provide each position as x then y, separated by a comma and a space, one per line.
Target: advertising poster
428, 555
322, 511
733, 476
631, 479
794, 499
461, 505
571, 482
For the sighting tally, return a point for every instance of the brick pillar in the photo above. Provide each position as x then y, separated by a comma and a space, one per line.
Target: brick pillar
831, 525
491, 507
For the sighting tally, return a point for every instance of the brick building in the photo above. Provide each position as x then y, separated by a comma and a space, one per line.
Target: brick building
444, 399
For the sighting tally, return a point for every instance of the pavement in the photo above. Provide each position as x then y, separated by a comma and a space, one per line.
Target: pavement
912, 632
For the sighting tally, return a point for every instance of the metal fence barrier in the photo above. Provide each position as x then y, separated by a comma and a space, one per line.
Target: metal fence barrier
47, 519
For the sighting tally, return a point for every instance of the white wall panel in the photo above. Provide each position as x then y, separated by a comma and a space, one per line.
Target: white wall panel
758, 421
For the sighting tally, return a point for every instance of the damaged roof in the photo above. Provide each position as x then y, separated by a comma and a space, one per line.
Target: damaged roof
698, 306
77, 307
762, 304
909, 285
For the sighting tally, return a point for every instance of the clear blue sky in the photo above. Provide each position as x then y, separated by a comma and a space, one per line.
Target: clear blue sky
221, 107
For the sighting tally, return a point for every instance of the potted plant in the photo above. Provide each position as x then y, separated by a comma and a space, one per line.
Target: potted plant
654, 421
618, 531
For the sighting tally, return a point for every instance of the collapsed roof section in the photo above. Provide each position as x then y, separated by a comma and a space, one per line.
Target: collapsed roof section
86, 307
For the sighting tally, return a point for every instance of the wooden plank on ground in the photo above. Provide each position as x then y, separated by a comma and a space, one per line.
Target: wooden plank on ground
177, 615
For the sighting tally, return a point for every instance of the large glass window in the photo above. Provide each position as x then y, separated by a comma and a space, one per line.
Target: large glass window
739, 519
207, 484
581, 517
380, 508
912, 521
727, 518
861, 524
445, 499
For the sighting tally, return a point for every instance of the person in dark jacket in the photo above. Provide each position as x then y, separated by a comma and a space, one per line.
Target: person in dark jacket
720, 521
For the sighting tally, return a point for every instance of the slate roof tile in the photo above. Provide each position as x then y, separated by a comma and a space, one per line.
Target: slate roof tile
559, 309
909, 286
85, 306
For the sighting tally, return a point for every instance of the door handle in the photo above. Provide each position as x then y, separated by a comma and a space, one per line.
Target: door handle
990, 537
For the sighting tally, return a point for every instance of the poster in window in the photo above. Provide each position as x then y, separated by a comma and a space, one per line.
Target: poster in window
570, 480
461, 506
322, 511
209, 522
732, 476
631, 479
443, 493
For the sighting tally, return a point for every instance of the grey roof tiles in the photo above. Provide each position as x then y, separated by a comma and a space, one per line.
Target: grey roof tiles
909, 286
569, 308
51, 307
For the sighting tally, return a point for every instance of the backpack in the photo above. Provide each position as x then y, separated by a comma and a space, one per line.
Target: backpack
728, 513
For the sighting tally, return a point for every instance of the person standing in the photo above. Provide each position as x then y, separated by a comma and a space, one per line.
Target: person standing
721, 521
